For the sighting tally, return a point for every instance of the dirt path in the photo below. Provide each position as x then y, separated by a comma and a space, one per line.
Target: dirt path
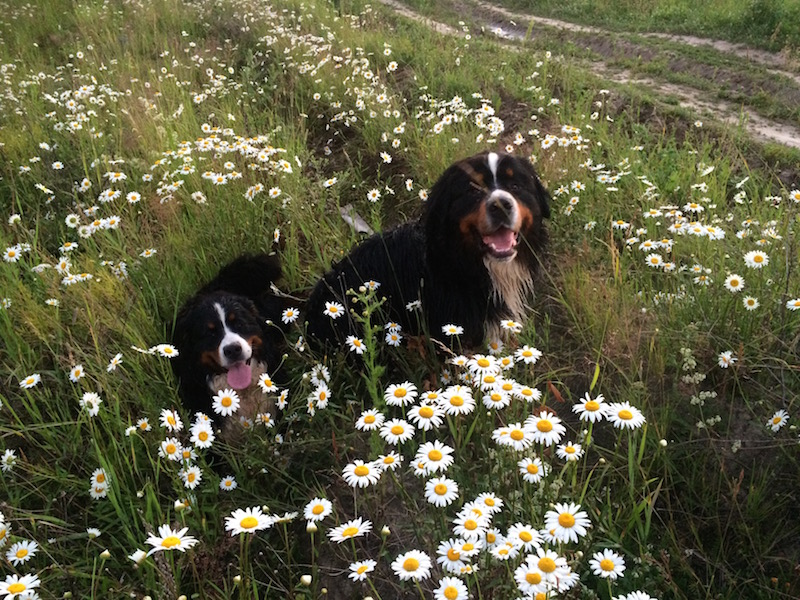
514, 27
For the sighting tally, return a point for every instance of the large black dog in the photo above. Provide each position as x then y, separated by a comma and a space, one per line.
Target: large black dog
469, 260
222, 335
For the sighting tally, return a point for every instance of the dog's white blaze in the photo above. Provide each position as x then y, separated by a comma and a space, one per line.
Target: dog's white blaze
493, 159
230, 337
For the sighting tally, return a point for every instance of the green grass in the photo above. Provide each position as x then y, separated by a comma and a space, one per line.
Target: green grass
699, 501
766, 24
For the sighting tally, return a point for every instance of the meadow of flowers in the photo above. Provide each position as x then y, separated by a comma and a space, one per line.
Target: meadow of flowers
633, 440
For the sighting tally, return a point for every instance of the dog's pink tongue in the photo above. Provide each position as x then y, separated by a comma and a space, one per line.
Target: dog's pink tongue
501, 240
239, 376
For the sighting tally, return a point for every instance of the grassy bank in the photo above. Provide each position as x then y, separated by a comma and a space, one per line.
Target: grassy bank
164, 140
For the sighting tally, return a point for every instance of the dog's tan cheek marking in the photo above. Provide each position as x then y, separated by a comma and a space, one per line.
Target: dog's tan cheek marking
476, 220
209, 359
255, 341
526, 218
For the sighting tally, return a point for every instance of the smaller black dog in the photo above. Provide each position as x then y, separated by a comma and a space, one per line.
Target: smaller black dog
223, 338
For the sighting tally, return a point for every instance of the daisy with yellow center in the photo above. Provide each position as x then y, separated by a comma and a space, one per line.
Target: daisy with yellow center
607, 564
457, 400
390, 461
355, 344
170, 539
441, 491
426, 415
333, 309
361, 474
225, 402
436, 456
396, 431
350, 529
529, 577
21, 552
16, 585
532, 469
524, 536
248, 520
413, 564
171, 420
400, 394
590, 409
546, 428
359, 570
370, 420
569, 451
624, 416
30, 381
567, 522
451, 588
449, 556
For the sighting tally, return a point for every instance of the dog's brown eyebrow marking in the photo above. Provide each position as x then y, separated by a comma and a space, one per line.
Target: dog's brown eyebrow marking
476, 178
510, 172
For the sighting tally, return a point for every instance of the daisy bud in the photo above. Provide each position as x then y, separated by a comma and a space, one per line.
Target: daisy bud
179, 506
602, 461
385, 531
182, 598
324, 591
140, 494
578, 555
237, 579
67, 595
105, 554
305, 580
663, 443
311, 527
265, 508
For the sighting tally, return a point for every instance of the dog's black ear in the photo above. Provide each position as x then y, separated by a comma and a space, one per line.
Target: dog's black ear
542, 196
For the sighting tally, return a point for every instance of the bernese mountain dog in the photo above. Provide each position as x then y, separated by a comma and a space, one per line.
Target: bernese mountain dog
223, 337
469, 260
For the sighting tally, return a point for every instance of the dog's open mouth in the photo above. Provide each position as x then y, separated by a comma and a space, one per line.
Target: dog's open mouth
240, 375
502, 242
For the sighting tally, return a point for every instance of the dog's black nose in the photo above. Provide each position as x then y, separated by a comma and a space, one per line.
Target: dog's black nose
499, 205
232, 351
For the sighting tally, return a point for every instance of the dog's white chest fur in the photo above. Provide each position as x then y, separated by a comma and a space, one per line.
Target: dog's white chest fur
512, 284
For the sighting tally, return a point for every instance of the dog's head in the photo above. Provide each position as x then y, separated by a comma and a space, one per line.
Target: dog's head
490, 205
219, 333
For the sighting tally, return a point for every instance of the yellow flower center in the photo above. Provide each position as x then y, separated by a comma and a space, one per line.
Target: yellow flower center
451, 592
483, 362
435, 455
544, 426
362, 569
525, 536
546, 565
507, 387
411, 564
625, 414
190, 477
440, 489
489, 378
333, 309
532, 469
143, 425
527, 353
566, 520
202, 436
533, 578
226, 401
517, 435
369, 419
171, 420
171, 448
592, 405
490, 537
388, 460
248, 522
397, 429
16, 588
350, 532
467, 547
100, 478
607, 564
570, 450
317, 510
457, 401
322, 395
22, 553
426, 412
758, 258
489, 502
776, 420
400, 393
496, 397
361, 470
453, 554
170, 542
470, 524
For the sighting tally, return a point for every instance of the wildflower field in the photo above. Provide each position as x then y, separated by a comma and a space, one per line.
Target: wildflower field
634, 439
